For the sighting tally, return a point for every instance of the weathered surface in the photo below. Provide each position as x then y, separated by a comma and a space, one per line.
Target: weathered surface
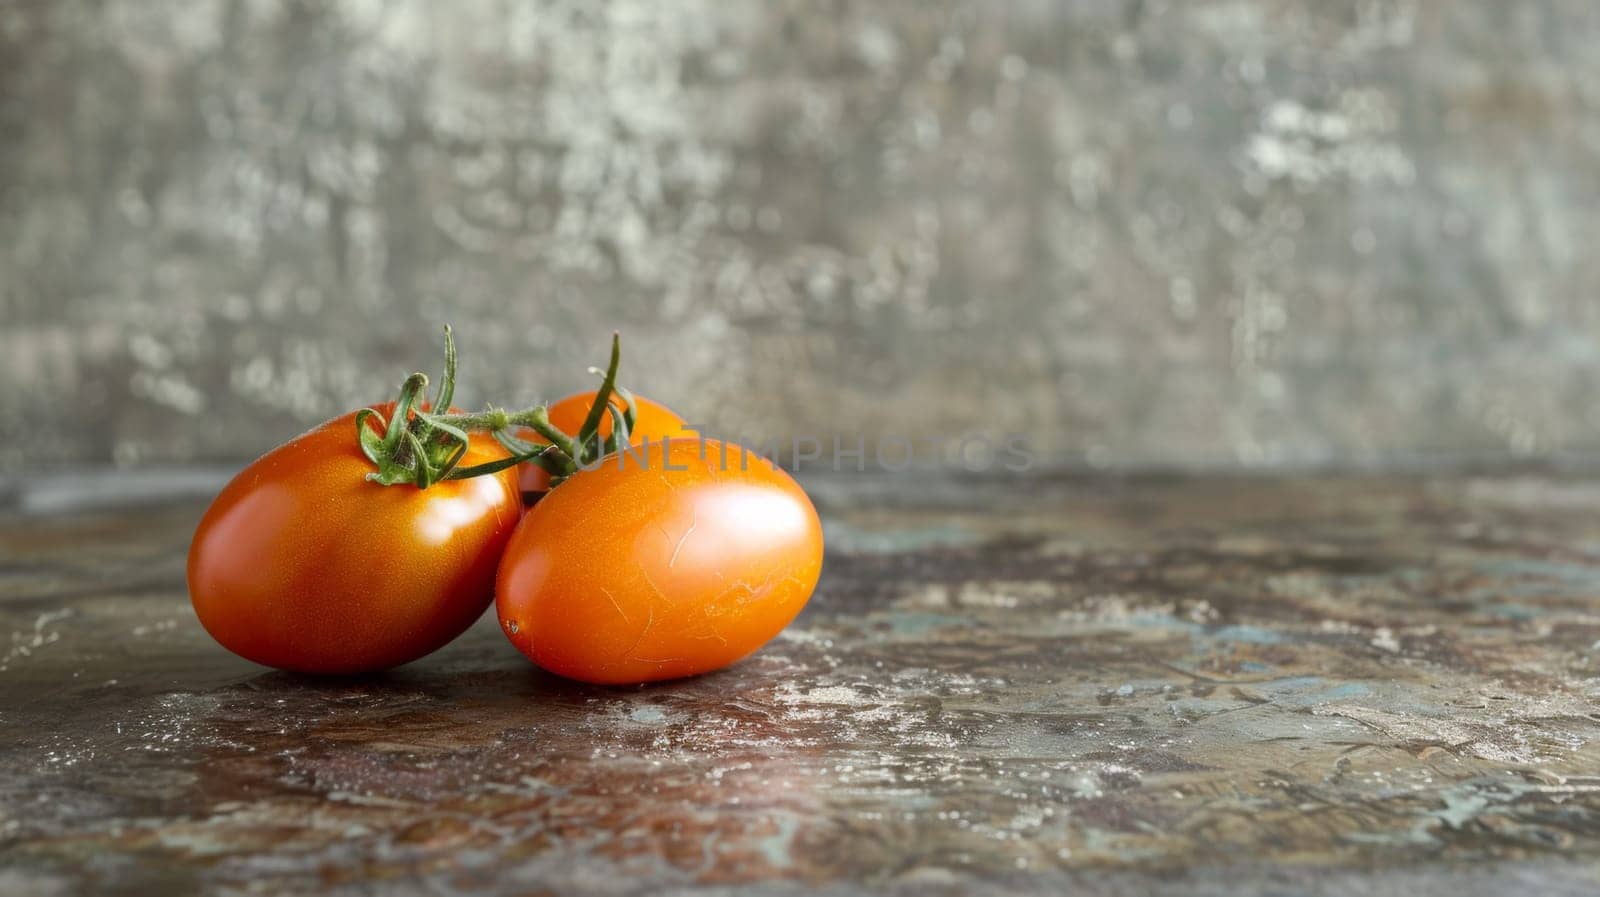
1363, 686
1237, 232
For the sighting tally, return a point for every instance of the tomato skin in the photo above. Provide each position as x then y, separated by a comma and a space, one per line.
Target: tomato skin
636, 575
652, 420
302, 564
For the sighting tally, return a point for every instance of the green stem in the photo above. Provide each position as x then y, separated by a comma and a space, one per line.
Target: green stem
395, 444
424, 447
536, 419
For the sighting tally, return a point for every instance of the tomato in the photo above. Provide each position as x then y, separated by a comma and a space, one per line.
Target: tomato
652, 420
639, 571
303, 564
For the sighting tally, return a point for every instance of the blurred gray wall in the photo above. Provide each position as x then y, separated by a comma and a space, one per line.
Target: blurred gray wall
1247, 232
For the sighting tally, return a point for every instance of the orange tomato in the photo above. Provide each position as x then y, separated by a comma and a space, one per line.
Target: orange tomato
302, 564
652, 420
660, 566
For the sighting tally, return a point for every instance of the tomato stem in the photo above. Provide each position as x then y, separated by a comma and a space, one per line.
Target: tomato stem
602, 397
421, 447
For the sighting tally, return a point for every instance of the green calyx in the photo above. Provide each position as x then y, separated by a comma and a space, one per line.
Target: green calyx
421, 443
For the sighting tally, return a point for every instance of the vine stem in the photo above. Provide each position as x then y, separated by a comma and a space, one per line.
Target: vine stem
497, 420
422, 447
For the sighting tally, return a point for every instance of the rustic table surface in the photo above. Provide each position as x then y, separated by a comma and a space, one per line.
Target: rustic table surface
1341, 685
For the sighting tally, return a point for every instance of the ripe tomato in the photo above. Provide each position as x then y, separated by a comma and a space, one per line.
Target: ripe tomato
303, 564
652, 420
646, 571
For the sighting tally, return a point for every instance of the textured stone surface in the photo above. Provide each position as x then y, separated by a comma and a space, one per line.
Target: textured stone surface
1229, 686
1146, 232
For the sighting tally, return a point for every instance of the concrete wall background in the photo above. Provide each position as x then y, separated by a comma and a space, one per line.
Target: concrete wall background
1247, 232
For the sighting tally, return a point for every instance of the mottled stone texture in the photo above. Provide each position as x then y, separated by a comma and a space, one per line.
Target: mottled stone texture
1216, 232
1219, 687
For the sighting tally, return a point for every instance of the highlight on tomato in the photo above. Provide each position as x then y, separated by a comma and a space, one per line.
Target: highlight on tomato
670, 560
